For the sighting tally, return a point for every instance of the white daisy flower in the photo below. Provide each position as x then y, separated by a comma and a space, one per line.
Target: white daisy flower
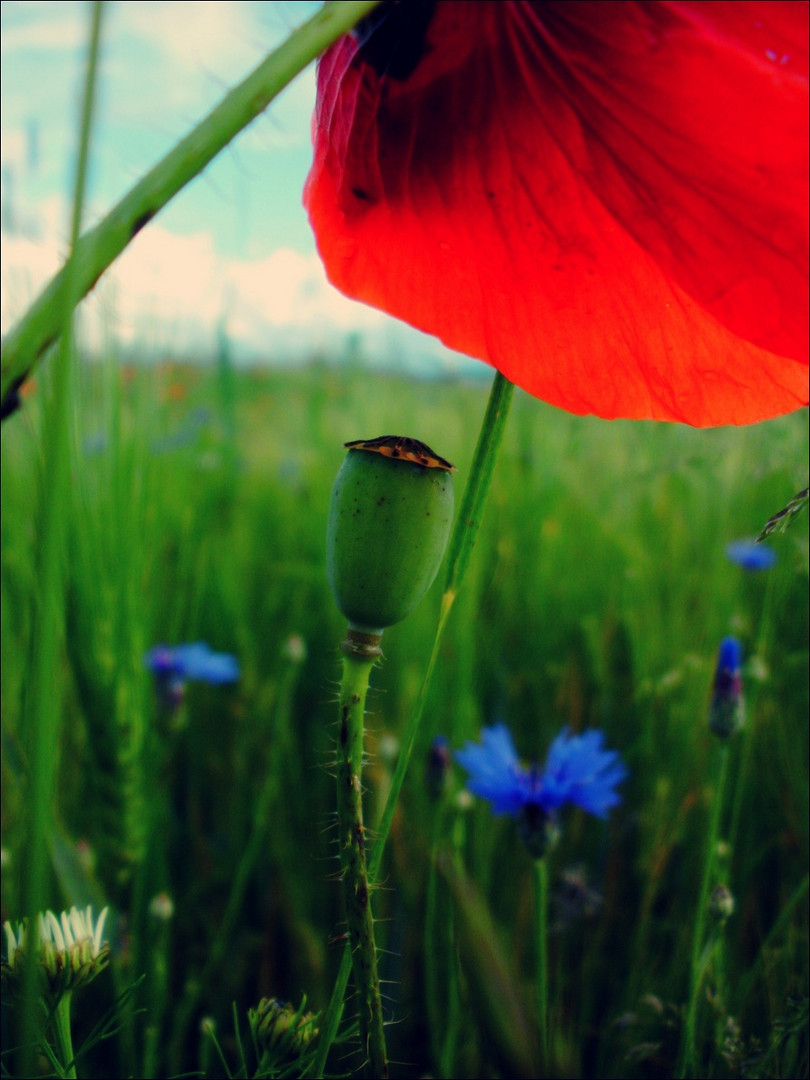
70, 949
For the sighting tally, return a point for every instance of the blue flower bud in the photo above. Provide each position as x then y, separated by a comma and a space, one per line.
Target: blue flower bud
727, 707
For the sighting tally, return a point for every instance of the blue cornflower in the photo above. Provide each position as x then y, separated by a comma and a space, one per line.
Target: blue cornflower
750, 555
578, 770
174, 665
195, 661
727, 706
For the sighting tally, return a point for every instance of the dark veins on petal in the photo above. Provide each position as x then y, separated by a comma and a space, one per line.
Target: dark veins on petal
392, 37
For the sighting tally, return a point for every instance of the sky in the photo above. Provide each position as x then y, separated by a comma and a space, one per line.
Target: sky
234, 247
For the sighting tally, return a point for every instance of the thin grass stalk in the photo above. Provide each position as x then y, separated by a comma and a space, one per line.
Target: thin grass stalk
541, 868
687, 1062
462, 542
250, 858
799, 896
454, 1007
43, 704
42, 324
432, 937
746, 770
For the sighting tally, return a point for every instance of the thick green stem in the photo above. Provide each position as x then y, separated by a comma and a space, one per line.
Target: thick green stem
357, 667
63, 1042
542, 956
97, 249
687, 1063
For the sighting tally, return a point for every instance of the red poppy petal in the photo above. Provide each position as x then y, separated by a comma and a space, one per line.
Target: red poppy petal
606, 201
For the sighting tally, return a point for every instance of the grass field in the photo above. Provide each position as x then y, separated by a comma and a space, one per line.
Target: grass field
194, 508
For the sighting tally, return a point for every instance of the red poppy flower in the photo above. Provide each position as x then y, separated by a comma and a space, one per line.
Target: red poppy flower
606, 201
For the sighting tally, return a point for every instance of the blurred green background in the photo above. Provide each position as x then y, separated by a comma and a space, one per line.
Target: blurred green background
597, 596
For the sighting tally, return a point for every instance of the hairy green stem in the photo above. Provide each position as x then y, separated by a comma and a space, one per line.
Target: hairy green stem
352, 849
687, 1062
41, 325
462, 542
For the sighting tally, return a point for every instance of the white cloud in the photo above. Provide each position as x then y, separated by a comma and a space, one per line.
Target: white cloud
172, 293
197, 51
52, 26
290, 288
13, 147
26, 267
178, 285
214, 35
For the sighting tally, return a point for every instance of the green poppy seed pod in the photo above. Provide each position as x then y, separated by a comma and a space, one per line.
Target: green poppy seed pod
389, 520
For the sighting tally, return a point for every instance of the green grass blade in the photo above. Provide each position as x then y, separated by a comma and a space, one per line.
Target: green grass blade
462, 542
44, 703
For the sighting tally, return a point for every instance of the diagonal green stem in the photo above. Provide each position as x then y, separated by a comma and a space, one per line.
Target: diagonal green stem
41, 325
462, 542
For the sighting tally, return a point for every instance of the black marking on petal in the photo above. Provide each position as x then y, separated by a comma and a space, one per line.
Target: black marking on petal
392, 37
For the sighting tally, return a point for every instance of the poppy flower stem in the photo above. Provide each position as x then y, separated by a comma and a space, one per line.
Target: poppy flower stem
359, 656
462, 542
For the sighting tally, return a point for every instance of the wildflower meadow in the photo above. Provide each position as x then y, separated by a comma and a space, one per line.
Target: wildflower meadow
359, 724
